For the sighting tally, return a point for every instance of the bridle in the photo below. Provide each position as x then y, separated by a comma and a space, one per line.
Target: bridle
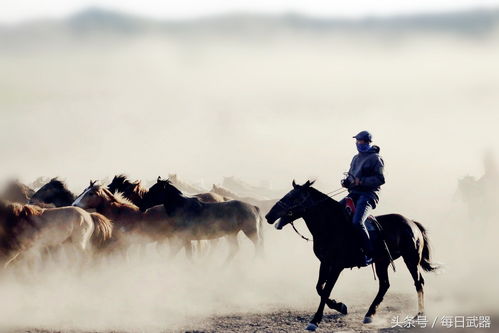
290, 209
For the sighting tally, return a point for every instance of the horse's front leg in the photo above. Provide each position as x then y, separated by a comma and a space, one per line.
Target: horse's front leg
331, 303
323, 271
331, 277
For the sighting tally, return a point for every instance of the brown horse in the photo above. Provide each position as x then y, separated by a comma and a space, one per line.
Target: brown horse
31, 229
132, 225
134, 192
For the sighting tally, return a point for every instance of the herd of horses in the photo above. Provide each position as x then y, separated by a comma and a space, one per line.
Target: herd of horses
103, 220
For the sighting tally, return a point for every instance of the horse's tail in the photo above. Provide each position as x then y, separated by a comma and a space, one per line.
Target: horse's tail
103, 229
426, 263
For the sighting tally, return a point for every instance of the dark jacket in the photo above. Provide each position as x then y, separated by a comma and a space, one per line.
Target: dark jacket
368, 167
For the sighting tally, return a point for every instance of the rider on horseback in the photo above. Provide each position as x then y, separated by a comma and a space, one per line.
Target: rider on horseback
363, 183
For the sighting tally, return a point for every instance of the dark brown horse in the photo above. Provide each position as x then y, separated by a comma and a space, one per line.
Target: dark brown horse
54, 192
197, 220
134, 192
337, 248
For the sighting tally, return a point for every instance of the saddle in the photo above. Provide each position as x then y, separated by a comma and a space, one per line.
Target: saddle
371, 223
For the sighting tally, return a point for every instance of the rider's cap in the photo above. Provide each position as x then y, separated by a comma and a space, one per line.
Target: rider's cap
364, 135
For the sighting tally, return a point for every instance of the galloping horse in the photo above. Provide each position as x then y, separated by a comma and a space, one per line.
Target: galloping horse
54, 192
336, 246
26, 228
134, 192
129, 221
197, 220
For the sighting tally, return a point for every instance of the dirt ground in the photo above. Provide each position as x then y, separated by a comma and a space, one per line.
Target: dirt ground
292, 320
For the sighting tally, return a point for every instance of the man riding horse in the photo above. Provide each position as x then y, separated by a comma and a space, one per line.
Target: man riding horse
363, 183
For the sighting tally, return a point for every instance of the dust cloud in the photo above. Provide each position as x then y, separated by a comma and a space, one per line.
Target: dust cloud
266, 108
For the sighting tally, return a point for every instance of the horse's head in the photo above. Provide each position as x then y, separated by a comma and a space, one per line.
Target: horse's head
49, 191
159, 193
290, 207
117, 185
92, 197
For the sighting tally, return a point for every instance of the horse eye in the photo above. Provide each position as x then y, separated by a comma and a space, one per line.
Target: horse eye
290, 213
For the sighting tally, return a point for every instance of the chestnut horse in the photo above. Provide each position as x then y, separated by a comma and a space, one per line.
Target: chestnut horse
132, 225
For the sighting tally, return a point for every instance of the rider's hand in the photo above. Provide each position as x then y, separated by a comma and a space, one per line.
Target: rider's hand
346, 182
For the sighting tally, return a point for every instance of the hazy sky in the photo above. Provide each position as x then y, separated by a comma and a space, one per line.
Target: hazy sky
19, 10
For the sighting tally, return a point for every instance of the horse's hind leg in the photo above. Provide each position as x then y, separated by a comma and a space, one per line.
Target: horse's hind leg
384, 284
412, 263
252, 234
233, 246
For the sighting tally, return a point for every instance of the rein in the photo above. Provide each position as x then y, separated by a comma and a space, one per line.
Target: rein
329, 194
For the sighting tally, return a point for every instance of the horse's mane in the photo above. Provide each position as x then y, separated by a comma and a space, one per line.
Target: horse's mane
123, 180
57, 183
333, 204
174, 188
116, 198
324, 196
193, 203
14, 212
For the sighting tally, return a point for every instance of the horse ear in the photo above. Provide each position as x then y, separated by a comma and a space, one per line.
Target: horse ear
92, 182
309, 183
294, 184
159, 178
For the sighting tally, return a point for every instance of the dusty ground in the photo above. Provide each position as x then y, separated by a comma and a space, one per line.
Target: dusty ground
291, 320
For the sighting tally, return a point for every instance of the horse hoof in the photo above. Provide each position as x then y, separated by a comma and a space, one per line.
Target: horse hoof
368, 320
343, 309
311, 327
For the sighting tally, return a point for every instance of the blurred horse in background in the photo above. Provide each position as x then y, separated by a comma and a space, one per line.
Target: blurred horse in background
16, 191
264, 205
